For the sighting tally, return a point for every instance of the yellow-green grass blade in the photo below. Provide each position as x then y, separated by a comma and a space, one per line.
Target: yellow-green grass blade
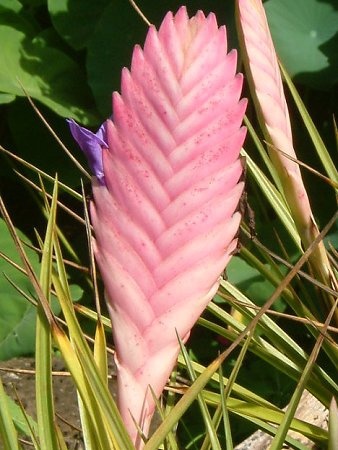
240, 391
263, 153
100, 352
103, 439
282, 357
43, 302
60, 438
280, 338
333, 425
183, 404
274, 197
225, 413
318, 143
97, 425
8, 434
318, 384
267, 415
43, 349
100, 345
90, 422
225, 393
24, 424
170, 438
92, 315
99, 396
274, 275
301, 385
211, 432
88, 429
43, 174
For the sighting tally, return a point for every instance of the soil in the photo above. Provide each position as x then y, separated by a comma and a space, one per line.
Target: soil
19, 382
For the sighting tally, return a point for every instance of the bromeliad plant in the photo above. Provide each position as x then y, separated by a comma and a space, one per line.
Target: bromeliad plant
166, 187
166, 190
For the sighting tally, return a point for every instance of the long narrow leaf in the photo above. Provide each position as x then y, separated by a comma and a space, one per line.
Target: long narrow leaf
8, 434
43, 350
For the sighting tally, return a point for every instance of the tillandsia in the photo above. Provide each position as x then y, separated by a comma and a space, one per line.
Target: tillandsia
166, 188
267, 91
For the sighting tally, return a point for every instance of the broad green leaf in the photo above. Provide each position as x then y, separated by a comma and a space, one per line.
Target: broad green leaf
85, 13
17, 315
250, 281
6, 98
305, 33
46, 73
23, 422
13, 5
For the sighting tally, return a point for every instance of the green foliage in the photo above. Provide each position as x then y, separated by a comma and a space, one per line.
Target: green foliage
29, 60
85, 13
305, 33
17, 315
67, 55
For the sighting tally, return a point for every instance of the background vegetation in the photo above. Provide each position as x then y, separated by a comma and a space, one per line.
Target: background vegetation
67, 56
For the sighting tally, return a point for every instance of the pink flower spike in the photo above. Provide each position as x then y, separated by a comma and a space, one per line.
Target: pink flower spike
267, 90
166, 219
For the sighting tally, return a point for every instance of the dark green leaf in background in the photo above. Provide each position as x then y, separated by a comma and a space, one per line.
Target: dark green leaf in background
251, 282
12, 5
48, 74
6, 98
84, 13
110, 48
17, 315
39, 147
305, 34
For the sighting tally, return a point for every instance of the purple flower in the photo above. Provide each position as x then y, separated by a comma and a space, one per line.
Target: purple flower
91, 144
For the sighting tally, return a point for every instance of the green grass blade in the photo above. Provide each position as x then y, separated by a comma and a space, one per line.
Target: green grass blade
266, 415
263, 153
43, 174
100, 352
225, 414
318, 143
333, 425
274, 197
292, 357
43, 350
210, 429
224, 394
282, 431
8, 434
96, 395
183, 404
23, 423
170, 438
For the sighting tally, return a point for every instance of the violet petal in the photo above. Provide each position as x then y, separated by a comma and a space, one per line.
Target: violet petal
91, 144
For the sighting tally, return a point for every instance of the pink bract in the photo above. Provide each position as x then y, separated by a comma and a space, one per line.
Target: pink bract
165, 218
